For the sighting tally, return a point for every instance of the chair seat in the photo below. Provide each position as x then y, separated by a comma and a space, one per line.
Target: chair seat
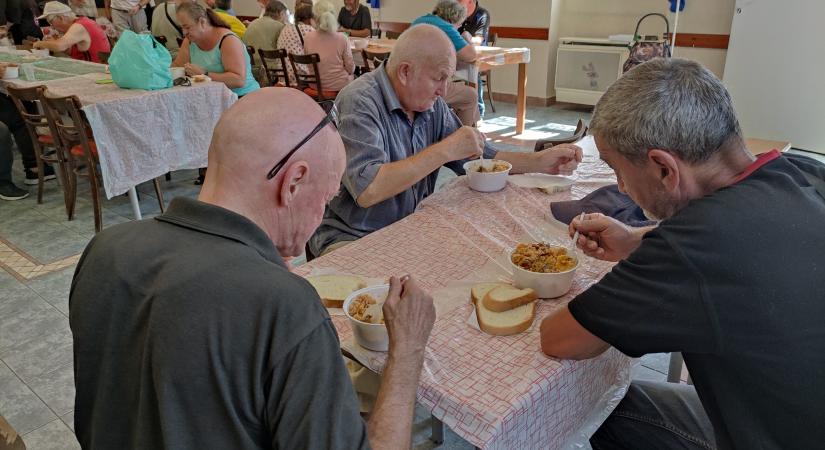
314, 93
77, 150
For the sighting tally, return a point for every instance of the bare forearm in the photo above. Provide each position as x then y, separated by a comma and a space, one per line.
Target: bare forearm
522, 162
230, 79
394, 178
390, 424
360, 33
56, 45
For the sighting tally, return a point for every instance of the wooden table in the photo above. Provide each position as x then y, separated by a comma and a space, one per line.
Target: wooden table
489, 58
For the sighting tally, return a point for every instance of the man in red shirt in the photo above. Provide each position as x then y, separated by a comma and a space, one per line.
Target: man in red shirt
82, 37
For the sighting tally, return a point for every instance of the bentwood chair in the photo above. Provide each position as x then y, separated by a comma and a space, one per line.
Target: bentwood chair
27, 102
373, 58
275, 69
581, 130
310, 82
392, 34
74, 135
485, 75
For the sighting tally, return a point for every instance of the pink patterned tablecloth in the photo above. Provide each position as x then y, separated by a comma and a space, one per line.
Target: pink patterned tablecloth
495, 392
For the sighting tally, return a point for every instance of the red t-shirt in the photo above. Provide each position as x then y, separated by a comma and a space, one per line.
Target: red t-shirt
98, 38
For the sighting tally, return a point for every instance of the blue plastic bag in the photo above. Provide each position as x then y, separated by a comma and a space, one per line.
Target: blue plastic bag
138, 61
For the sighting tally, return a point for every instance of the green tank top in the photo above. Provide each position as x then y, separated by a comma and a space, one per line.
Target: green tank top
211, 61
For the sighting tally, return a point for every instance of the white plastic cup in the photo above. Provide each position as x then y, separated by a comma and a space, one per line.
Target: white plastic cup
28, 72
178, 72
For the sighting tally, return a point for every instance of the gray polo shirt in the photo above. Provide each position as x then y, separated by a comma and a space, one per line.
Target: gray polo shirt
376, 131
190, 333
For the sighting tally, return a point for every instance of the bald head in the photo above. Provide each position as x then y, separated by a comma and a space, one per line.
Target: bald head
251, 138
422, 44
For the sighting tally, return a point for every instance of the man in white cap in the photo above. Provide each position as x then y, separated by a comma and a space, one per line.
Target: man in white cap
82, 37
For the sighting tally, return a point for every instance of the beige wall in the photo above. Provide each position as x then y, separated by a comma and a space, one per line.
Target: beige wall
580, 18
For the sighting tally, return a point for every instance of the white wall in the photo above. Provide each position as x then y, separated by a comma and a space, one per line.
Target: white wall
580, 18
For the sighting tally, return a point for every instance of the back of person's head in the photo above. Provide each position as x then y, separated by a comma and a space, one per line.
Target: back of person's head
197, 12
672, 104
324, 14
419, 45
451, 11
274, 9
225, 5
303, 13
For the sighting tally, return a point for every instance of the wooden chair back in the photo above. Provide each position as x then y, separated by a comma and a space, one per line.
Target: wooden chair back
275, 70
372, 59
312, 79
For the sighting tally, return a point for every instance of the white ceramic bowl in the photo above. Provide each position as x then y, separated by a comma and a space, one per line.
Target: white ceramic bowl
12, 72
486, 181
359, 44
372, 336
178, 72
546, 285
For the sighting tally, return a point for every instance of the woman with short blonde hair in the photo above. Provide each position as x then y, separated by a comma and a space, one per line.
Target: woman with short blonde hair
336, 66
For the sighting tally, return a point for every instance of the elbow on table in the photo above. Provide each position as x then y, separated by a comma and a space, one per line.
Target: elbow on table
563, 347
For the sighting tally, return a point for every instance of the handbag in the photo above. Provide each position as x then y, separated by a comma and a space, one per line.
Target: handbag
139, 61
643, 51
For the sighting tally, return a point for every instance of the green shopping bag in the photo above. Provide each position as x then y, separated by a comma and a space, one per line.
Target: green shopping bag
138, 61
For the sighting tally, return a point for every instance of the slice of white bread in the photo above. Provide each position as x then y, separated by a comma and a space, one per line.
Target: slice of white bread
334, 289
506, 297
480, 290
505, 323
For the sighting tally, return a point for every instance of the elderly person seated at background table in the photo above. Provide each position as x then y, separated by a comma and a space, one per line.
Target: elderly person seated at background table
165, 23
336, 66
221, 9
292, 37
263, 32
447, 16
398, 132
211, 49
354, 19
19, 17
235, 352
82, 37
731, 277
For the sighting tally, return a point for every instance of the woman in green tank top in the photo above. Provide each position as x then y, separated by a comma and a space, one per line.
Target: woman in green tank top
210, 48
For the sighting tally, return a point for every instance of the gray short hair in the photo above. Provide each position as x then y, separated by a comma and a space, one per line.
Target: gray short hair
674, 104
451, 11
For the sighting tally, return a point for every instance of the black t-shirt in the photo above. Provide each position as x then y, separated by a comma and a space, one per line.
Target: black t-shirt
360, 21
736, 282
477, 24
190, 333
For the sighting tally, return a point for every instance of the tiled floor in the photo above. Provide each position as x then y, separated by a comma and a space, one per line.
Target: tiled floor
38, 251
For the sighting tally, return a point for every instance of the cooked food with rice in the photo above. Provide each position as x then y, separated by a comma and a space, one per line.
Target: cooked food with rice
543, 258
495, 167
359, 309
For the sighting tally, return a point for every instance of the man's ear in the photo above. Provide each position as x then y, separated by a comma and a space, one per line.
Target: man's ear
404, 73
667, 168
295, 177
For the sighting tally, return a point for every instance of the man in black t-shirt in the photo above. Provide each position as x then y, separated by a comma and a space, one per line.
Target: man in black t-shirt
354, 18
732, 276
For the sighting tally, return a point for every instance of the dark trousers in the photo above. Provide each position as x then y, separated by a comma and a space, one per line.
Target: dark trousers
655, 416
14, 122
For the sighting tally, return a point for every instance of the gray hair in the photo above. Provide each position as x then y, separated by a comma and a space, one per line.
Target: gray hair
451, 11
674, 104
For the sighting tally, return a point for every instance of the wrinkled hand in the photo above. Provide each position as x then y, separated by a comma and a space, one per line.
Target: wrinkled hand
604, 237
409, 315
559, 160
193, 69
465, 143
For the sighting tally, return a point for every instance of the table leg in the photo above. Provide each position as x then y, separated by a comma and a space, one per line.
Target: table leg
133, 199
437, 436
521, 101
